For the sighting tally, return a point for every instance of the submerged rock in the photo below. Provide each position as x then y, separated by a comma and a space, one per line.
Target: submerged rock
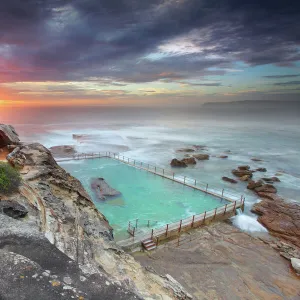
254, 184
178, 163
261, 170
222, 156
201, 156
185, 150
256, 159
102, 189
228, 179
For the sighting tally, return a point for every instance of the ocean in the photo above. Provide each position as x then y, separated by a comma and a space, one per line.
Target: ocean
154, 134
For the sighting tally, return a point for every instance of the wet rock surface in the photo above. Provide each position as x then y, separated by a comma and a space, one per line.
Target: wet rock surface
241, 173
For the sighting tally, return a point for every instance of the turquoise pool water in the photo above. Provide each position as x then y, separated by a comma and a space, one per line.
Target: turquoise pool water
145, 196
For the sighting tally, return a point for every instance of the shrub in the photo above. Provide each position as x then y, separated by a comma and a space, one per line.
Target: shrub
9, 179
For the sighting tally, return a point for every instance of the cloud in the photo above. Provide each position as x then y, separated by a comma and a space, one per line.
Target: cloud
130, 41
287, 83
281, 76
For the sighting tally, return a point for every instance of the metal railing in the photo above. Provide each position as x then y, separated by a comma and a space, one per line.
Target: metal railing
175, 228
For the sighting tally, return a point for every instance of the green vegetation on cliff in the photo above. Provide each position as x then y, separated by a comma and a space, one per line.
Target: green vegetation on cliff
9, 179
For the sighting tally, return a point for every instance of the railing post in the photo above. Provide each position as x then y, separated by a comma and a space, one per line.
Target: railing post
204, 217
206, 188
148, 223
225, 209
222, 193
136, 223
155, 169
163, 172
133, 231
215, 213
192, 225
173, 175
134, 162
195, 182
167, 230
179, 229
152, 234
234, 206
184, 180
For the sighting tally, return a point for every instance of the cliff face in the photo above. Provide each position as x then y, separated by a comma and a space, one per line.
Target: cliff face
64, 235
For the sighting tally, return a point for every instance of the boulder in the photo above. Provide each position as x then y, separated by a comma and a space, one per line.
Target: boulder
296, 264
228, 179
254, 184
261, 170
102, 189
271, 179
241, 173
201, 156
245, 178
178, 163
266, 188
243, 168
8, 136
16, 158
13, 209
189, 161
185, 150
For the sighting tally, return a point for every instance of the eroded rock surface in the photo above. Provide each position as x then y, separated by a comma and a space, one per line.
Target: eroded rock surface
201, 156
63, 151
280, 217
8, 135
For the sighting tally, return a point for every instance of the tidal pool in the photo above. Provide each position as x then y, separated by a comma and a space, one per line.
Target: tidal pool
144, 196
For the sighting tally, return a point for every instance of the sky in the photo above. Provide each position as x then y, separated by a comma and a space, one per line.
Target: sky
147, 53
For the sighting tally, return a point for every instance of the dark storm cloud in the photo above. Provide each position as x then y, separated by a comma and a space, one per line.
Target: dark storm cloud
70, 40
281, 76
